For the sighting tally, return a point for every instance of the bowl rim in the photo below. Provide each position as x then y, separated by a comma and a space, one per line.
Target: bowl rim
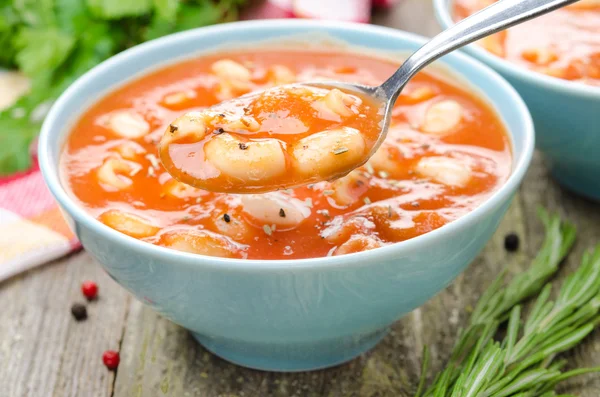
51, 172
444, 18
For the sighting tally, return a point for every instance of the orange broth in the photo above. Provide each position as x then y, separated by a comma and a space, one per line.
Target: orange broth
399, 194
564, 43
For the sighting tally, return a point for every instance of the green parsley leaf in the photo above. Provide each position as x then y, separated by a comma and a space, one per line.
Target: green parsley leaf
116, 9
42, 50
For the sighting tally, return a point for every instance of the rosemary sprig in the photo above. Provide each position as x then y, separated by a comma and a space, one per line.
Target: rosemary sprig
523, 364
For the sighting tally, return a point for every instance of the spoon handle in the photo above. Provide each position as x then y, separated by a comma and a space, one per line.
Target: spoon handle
494, 18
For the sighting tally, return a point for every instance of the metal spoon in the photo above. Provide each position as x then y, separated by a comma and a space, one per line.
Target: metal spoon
492, 19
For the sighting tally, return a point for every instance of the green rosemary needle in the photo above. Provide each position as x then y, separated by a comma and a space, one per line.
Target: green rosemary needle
523, 363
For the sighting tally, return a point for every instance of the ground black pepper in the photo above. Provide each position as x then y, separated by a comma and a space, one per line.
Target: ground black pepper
511, 242
79, 312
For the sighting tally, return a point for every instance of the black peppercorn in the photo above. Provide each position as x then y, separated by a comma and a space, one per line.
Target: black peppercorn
227, 218
511, 242
79, 312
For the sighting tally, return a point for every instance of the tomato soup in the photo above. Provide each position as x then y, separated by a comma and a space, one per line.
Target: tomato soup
446, 152
564, 43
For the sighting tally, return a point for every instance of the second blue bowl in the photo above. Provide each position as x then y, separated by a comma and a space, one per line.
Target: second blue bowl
566, 116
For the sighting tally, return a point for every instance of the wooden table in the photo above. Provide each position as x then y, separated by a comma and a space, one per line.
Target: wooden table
44, 352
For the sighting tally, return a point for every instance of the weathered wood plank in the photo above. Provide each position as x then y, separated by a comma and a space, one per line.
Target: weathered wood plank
539, 189
43, 350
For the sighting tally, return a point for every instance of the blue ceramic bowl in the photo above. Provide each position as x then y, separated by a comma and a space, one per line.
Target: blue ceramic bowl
284, 315
566, 116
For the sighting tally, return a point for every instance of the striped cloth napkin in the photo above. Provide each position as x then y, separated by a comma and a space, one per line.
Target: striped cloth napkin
32, 229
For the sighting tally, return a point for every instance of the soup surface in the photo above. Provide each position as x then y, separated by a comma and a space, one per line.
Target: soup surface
445, 154
564, 43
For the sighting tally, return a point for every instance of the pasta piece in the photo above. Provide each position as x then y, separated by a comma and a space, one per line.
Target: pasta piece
442, 117
329, 153
115, 173
342, 228
178, 98
275, 209
337, 102
349, 189
241, 124
130, 150
358, 243
445, 170
234, 76
191, 126
126, 123
129, 224
201, 242
258, 160
280, 75
180, 190
384, 160
228, 69
417, 95
231, 225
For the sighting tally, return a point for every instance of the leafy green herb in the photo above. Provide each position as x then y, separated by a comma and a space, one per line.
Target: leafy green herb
523, 363
53, 42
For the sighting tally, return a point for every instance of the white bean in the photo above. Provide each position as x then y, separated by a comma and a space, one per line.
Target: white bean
201, 242
275, 209
178, 98
129, 224
358, 243
244, 123
228, 69
114, 172
349, 189
232, 226
180, 190
126, 123
329, 152
418, 94
442, 117
192, 124
130, 150
337, 102
383, 160
445, 170
342, 228
234, 77
281, 75
258, 160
